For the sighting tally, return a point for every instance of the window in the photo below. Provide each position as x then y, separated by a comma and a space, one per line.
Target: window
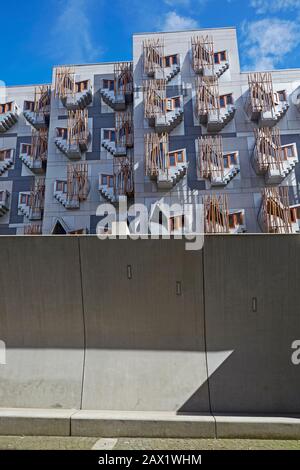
28, 105
236, 219
226, 100
176, 157
6, 107
281, 95
288, 151
172, 160
220, 57
81, 86
61, 186
171, 60
5, 154
26, 148
172, 103
110, 84
107, 180
62, 132
176, 222
230, 159
109, 134
180, 158
295, 214
24, 199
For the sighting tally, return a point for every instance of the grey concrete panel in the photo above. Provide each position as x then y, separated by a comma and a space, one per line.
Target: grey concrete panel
255, 374
144, 343
41, 323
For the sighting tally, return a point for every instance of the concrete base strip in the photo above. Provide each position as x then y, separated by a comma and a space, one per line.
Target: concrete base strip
141, 424
113, 424
258, 427
35, 422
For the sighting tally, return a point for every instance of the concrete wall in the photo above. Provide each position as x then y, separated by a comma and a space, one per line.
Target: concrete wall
80, 333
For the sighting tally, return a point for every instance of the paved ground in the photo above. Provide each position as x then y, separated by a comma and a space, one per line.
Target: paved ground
86, 443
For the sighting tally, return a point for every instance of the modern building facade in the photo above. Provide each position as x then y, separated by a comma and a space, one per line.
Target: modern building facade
180, 124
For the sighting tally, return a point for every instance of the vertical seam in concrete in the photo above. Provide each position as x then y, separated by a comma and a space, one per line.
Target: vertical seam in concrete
84, 324
205, 341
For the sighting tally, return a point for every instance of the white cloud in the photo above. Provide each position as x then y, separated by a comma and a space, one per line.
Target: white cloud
264, 6
174, 22
70, 39
267, 41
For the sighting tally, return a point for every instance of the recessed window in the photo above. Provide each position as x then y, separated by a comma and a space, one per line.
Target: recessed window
28, 105
107, 180
220, 57
24, 199
281, 95
81, 86
61, 186
226, 100
236, 219
62, 132
110, 84
6, 107
172, 160
109, 134
26, 149
171, 60
288, 151
5, 154
176, 222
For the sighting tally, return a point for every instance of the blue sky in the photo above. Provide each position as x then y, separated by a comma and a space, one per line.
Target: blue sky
79, 31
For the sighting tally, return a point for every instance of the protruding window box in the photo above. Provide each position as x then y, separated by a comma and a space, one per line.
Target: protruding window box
9, 113
4, 201
74, 140
36, 165
162, 113
75, 189
171, 65
107, 187
221, 62
108, 140
264, 105
270, 158
117, 92
80, 97
7, 157
275, 215
37, 112
60, 193
214, 111
214, 164
31, 205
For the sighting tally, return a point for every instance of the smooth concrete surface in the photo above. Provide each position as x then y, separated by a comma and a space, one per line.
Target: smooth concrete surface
41, 323
145, 345
258, 376
35, 422
141, 424
258, 427
84, 331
